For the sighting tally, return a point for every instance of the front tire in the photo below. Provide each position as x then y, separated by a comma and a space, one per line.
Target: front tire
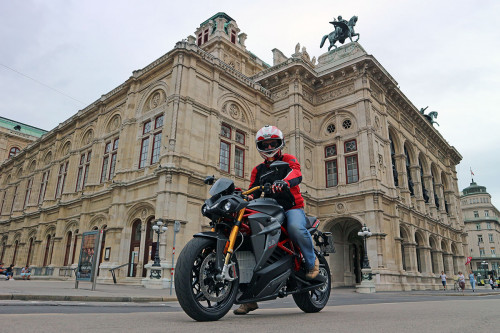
200, 295
316, 300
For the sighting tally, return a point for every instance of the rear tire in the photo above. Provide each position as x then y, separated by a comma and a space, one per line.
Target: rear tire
316, 300
201, 296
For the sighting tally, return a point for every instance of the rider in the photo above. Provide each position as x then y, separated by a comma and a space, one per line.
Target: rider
270, 142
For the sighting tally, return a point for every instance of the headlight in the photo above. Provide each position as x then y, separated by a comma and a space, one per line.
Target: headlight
227, 206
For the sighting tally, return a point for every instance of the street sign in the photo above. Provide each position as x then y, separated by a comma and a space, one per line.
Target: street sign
177, 226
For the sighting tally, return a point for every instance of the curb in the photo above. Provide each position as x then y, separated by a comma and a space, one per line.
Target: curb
135, 299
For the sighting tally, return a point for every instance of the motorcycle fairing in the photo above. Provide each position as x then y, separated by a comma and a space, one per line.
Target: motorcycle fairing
221, 241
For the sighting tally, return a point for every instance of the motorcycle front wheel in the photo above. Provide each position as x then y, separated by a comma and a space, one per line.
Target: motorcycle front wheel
315, 300
199, 293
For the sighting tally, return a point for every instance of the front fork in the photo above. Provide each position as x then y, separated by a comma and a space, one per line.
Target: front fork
225, 276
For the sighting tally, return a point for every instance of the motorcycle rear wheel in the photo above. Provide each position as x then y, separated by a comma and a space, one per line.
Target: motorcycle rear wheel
316, 300
200, 295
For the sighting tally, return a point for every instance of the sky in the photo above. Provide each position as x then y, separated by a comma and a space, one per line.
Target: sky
58, 56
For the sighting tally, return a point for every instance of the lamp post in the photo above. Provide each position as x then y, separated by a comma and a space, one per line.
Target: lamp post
365, 233
159, 228
367, 285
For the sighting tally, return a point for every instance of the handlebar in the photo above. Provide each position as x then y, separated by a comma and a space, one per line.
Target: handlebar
266, 188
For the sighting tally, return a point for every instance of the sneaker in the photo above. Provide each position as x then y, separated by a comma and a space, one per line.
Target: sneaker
12, 279
246, 308
313, 272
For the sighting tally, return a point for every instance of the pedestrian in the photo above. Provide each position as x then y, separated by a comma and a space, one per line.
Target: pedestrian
461, 281
10, 272
26, 272
3, 270
472, 279
443, 279
492, 283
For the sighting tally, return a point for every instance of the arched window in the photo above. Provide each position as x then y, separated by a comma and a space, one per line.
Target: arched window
30, 250
393, 162
15, 252
436, 198
419, 261
68, 248
47, 250
425, 193
13, 151
408, 172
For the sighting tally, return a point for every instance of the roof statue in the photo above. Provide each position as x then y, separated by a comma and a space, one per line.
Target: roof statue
430, 116
343, 30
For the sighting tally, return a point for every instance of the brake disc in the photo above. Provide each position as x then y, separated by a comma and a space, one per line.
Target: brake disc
212, 289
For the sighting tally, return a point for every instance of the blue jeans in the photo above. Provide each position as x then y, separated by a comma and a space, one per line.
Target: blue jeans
296, 227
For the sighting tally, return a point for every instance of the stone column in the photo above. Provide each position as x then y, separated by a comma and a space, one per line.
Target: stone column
411, 263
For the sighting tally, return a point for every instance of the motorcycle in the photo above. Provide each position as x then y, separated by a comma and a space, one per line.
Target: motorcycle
247, 256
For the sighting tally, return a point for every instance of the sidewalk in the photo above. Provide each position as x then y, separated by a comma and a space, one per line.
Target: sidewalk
65, 291
38, 290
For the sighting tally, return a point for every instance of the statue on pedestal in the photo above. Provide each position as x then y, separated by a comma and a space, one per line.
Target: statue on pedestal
343, 30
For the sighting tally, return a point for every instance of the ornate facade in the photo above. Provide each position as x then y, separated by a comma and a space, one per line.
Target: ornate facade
483, 227
141, 152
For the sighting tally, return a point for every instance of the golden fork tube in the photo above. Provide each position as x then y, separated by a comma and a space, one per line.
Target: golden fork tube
232, 237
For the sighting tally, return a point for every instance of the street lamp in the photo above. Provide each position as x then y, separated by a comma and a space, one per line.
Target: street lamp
159, 229
365, 233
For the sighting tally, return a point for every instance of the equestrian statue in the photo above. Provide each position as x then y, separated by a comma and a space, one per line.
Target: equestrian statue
430, 116
343, 30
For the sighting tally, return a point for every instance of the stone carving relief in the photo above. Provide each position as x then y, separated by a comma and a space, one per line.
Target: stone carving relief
114, 123
32, 166
308, 164
280, 94
48, 158
155, 99
341, 209
65, 149
87, 138
234, 110
343, 91
307, 96
377, 124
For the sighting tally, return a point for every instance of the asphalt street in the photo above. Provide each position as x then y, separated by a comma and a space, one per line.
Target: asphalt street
346, 312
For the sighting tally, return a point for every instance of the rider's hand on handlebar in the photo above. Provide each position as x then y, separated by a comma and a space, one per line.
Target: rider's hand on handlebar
249, 197
280, 186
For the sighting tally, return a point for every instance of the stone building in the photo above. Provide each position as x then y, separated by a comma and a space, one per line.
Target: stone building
141, 152
482, 225
15, 136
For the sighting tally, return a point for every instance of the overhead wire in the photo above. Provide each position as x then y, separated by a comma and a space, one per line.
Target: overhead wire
43, 84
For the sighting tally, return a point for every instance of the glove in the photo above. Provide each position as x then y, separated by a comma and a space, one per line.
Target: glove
249, 197
279, 186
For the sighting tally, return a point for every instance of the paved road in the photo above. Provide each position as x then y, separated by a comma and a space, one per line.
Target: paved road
345, 313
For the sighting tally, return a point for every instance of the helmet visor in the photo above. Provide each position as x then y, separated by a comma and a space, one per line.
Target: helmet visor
268, 145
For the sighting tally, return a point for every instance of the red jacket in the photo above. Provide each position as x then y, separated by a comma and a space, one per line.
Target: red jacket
293, 178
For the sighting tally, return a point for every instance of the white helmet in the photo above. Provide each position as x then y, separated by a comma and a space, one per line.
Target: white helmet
269, 141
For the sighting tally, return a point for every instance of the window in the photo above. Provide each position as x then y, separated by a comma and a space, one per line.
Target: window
239, 158
479, 238
425, 194
330, 128
408, 174
150, 133
13, 200
488, 225
393, 162
490, 238
61, 179
481, 251
476, 213
478, 226
13, 151
331, 173
43, 186
109, 159
330, 151
492, 250
224, 156
240, 138
83, 170
225, 131
233, 36
28, 192
486, 213
346, 124
351, 162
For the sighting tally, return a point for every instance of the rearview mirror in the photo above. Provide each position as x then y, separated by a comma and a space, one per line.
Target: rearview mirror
209, 180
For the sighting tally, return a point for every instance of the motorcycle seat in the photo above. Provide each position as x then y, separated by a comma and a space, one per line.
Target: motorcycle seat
312, 222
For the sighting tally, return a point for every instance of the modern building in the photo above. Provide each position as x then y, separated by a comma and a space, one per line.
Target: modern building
15, 136
141, 152
483, 227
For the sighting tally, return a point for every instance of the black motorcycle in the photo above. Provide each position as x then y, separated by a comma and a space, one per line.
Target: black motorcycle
247, 256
